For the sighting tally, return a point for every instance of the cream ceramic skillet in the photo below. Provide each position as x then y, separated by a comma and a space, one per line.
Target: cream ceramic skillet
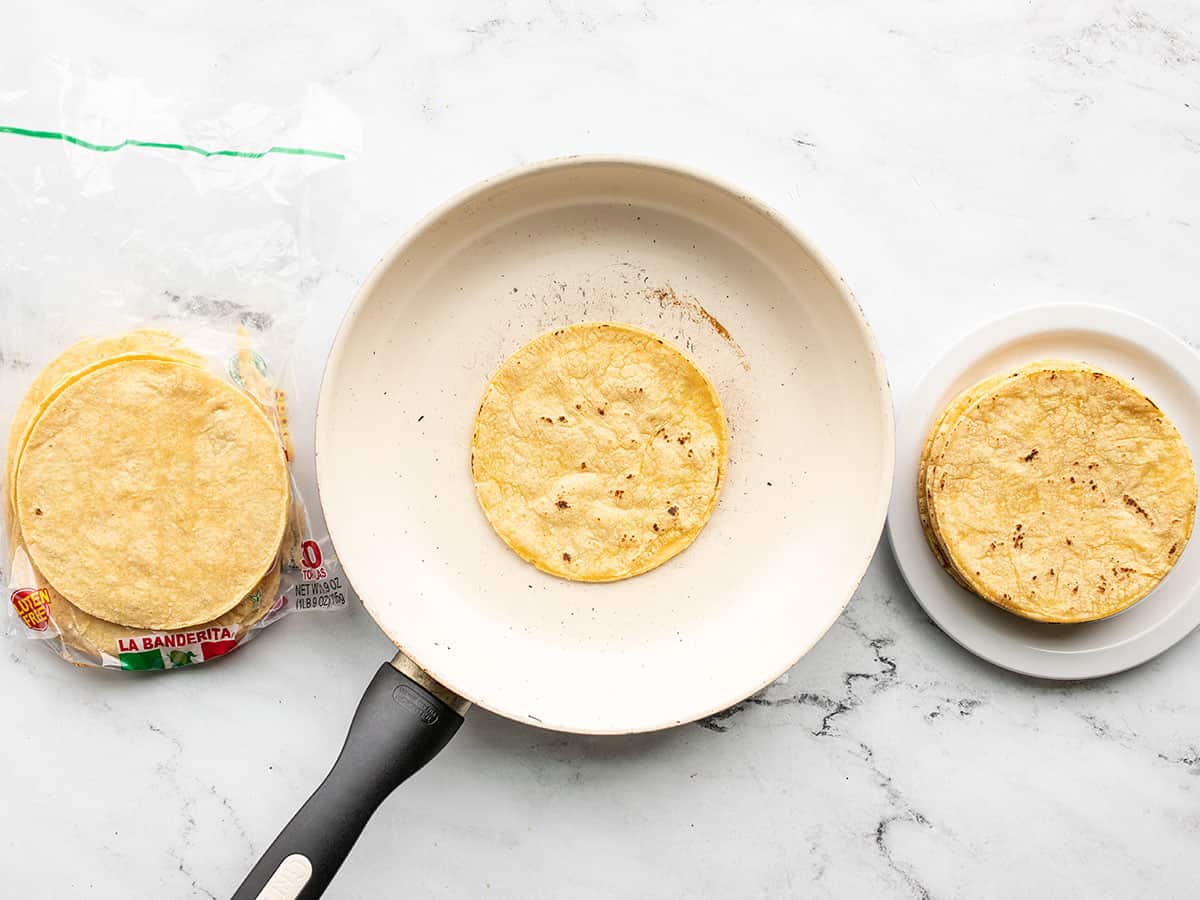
799, 516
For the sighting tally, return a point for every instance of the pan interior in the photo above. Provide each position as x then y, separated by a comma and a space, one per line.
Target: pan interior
810, 445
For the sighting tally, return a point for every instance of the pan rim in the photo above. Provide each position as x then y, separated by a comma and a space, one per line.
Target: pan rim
885, 410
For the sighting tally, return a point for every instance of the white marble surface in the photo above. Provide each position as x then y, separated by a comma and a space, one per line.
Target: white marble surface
955, 160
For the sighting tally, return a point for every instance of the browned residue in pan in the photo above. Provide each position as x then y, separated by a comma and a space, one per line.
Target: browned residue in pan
666, 296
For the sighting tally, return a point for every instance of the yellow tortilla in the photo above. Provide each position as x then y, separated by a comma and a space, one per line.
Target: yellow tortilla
152, 494
936, 442
75, 360
1062, 494
97, 636
599, 451
932, 449
78, 629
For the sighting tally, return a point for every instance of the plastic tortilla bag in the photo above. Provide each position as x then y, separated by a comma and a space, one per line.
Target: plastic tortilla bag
207, 226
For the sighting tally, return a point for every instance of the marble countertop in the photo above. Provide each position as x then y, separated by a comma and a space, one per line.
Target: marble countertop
955, 161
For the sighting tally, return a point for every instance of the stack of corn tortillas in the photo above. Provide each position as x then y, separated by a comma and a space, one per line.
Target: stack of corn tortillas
1057, 492
599, 451
146, 493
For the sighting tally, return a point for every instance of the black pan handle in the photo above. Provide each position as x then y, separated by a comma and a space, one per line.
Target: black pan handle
399, 726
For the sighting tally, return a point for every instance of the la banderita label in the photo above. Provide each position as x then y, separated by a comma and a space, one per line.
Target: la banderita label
176, 649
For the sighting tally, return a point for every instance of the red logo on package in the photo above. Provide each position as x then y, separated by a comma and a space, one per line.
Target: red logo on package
311, 559
211, 649
310, 553
33, 606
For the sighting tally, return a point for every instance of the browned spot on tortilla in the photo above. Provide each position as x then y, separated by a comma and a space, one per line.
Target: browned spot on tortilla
1137, 507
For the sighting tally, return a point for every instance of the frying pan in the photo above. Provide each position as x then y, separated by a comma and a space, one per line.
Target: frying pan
810, 469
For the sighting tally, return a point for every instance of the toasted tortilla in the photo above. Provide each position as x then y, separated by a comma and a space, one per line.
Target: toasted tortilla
933, 448
1062, 494
599, 451
152, 494
935, 443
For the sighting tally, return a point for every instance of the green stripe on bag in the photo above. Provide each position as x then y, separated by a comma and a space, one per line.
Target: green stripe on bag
163, 145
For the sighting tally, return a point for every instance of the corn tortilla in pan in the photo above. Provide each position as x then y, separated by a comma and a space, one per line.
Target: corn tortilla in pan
599, 451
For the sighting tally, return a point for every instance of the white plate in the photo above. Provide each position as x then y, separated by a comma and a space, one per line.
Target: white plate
1163, 367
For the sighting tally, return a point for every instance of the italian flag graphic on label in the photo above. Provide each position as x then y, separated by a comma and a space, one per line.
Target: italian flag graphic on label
171, 651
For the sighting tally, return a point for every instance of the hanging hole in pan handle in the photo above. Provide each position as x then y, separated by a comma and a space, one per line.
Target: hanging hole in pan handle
404, 719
